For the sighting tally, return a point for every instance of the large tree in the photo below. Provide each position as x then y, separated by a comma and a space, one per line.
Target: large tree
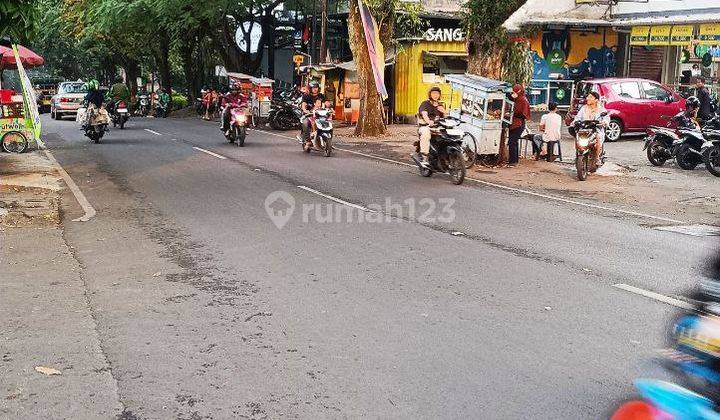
492, 51
389, 15
18, 19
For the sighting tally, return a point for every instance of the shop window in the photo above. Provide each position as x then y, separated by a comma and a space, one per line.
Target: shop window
439, 65
655, 92
628, 90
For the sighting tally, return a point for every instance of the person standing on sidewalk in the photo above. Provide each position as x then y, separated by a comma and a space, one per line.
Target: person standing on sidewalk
707, 110
521, 115
551, 127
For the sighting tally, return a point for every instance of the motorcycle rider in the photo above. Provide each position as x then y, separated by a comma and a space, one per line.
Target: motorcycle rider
118, 92
688, 117
592, 110
94, 100
429, 112
233, 99
311, 100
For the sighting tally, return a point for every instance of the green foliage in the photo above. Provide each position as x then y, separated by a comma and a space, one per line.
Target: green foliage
517, 64
179, 101
18, 19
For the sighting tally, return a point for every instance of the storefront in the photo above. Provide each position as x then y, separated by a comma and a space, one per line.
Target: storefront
563, 55
423, 63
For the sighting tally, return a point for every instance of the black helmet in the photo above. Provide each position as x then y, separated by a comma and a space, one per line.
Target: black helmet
434, 89
692, 102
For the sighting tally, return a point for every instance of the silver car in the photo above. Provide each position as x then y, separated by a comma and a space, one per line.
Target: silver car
67, 100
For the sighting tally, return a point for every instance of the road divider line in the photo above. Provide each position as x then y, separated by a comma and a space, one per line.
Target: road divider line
153, 131
79, 196
513, 189
337, 200
200, 149
655, 296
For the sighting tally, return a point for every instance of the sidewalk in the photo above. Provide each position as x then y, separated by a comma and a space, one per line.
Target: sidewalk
51, 360
627, 180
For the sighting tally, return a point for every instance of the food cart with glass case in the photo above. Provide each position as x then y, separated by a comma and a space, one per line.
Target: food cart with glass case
485, 110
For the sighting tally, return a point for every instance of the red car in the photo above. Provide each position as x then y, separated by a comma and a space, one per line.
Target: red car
633, 104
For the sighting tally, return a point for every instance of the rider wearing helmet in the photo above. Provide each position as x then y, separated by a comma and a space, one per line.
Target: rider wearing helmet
232, 99
310, 101
93, 95
688, 117
428, 112
118, 92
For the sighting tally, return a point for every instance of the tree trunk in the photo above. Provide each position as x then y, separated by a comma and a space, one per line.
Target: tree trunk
370, 121
164, 64
132, 71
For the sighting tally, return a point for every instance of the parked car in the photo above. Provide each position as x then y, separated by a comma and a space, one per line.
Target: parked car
633, 104
67, 100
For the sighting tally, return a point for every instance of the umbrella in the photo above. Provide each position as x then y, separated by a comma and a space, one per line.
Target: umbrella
28, 58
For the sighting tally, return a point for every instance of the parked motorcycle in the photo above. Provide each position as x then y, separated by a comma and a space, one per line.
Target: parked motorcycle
321, 138
238, 126
285, 114
711, 148
143, 105
446, 151
120, 114
586, 137
161, 109
666, 401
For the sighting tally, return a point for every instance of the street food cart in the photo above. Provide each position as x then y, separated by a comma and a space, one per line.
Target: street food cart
245, 81
485, 110
19, 117
261, 99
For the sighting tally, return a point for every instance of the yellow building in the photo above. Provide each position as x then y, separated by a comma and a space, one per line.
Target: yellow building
422, 63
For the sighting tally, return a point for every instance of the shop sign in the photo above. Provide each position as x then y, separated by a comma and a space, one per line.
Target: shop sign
682, 35
444, 35
660, 35
709, 34
556, 59
640, 35
11, 125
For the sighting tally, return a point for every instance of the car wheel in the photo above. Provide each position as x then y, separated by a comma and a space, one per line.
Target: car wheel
52, 113
614, 130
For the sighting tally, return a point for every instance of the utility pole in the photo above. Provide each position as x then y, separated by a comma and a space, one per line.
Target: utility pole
313, 39
323, 31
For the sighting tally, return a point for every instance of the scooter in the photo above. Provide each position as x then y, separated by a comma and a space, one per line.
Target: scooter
711, 148
120, 114
143, 107
682, 144
96, 131
586, 139
321, 138
446, 151
666, 401
238, 126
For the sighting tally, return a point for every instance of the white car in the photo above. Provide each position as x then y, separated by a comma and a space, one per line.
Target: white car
67, 100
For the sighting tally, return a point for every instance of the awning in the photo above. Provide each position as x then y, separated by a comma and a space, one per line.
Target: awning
457, 54
558, 12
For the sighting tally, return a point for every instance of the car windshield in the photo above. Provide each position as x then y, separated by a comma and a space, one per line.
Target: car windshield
73, 88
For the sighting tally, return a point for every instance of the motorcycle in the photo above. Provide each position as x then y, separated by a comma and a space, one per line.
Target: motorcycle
446, 151
321, 138
683, 144
586, 137
120, 114
143, 105
666, 401
97, 130
285, 114
238, 126
711, 148
161, 110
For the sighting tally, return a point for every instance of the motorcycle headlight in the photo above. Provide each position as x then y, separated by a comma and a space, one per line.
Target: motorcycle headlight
583, 141
242, 118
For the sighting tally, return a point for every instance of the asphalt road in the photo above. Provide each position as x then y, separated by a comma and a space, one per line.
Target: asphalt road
476, 303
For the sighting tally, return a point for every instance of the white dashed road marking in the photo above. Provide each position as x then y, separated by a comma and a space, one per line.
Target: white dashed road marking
200, 149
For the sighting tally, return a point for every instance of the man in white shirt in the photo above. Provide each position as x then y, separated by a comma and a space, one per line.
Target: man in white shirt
551, 127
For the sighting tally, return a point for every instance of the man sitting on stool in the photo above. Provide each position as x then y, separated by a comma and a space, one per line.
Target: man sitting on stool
550, 125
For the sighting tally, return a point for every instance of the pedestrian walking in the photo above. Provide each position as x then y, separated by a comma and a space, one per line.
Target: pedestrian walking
521, 115
551, 127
